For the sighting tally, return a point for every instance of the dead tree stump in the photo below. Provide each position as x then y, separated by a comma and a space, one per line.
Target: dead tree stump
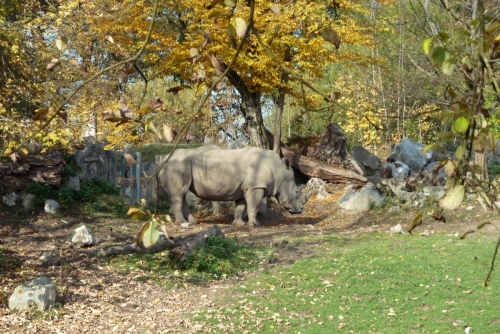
331, 146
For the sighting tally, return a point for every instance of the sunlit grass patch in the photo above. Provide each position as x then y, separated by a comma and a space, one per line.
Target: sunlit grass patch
373, 283
221, 258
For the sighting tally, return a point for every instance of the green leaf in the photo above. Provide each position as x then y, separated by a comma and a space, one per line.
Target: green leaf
481, 122
445, 37
429, 147
448, 66
416, 222
460, 152
462, 237
241, 27
231, 31
453, 197
461, 125
215, 13
480, 226
61, 42
439, 55
427, 44
460, 35
151, 234
137, 213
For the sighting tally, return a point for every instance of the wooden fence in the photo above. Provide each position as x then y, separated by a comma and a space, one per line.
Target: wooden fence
132, 180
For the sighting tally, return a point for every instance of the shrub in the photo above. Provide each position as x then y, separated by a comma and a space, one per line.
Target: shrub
89, 192
493, 170
220, 256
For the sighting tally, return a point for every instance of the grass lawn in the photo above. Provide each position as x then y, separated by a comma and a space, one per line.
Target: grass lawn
368, 283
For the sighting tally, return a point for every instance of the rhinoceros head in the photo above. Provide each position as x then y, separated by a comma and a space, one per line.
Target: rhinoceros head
292, 198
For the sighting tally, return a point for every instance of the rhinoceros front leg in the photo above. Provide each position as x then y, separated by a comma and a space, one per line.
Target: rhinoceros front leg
253, 198
240, 206
176, 209
179, 208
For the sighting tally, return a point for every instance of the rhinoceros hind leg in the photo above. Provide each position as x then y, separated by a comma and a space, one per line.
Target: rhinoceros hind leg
240, 206
185, 212
192, 220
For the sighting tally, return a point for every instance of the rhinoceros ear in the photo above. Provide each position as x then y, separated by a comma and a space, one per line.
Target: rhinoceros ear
286, 162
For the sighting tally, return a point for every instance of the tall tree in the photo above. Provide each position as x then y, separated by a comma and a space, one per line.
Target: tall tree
192, 41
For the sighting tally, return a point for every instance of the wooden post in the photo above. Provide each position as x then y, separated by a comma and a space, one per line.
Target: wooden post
138, 189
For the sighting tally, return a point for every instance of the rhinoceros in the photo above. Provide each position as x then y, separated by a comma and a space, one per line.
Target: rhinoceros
245, 176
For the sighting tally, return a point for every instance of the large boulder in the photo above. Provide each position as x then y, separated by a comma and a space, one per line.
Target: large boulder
410, 153
39, 294
10, 199
51, 206
369, 161
362, 200
82, 237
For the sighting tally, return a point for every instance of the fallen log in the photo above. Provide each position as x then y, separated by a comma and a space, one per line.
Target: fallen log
180, 247
315, 168
320, 169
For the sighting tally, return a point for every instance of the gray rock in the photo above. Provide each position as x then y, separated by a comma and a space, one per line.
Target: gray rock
322, 195
397, 229
402, 170
72, 183
51, 206
10, 199
48, 258
315, 184
370, 162
434, 192
398, 187
425, 233
82, 237
362, 200
399, 170
440, 176
39, 293
28, 201
410, 153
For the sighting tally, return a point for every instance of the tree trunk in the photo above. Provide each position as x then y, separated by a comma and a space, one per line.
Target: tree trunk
280, 106
250, 104
278, 115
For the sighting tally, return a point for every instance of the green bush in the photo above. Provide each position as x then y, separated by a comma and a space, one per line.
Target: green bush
493, 170
90, 191
3, 260
218, 257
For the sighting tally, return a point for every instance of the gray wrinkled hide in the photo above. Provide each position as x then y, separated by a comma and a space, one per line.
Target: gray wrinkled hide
39, 293
245, 176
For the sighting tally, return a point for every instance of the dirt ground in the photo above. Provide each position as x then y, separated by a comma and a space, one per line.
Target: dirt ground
96, 298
